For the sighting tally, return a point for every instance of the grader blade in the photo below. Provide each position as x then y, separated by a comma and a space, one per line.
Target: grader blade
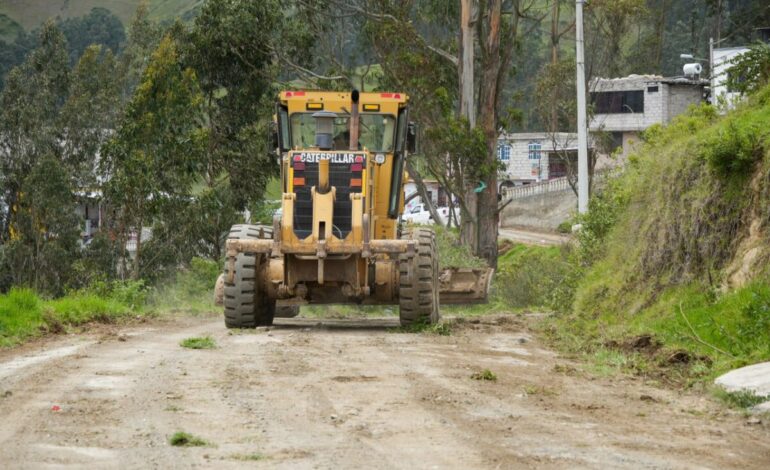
465, 285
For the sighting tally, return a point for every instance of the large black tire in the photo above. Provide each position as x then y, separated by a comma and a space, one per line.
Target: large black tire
418, 285
246, 305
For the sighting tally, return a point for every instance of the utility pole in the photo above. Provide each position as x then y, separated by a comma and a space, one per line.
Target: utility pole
581, 105
712, 98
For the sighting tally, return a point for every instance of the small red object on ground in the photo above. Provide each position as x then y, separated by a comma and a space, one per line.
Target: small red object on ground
56, 408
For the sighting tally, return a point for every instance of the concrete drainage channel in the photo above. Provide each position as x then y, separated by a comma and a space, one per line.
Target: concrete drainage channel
752, 379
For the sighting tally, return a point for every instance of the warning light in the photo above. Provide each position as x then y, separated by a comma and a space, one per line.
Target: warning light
359, 158
354, 167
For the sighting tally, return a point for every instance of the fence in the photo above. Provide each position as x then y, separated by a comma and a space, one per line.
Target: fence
516, 192
554, 185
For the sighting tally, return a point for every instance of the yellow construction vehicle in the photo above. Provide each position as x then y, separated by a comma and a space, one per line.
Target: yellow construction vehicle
337, 239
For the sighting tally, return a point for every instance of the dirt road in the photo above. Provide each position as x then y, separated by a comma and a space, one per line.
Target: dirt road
529, 237
347, 394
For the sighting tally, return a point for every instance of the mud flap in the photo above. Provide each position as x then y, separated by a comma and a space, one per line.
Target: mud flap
464, 285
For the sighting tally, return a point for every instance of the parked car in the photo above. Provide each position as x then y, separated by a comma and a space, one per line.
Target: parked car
421, 215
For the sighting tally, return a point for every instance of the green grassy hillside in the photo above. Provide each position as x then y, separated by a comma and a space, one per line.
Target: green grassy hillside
31, 13
678, 247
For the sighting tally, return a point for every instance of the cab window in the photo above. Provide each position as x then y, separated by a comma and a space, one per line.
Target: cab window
376, 131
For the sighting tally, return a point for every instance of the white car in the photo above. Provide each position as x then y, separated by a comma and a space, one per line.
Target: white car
421, 215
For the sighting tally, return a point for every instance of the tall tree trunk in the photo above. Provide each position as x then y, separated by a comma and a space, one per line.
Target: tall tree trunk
488, 100
469, 229
555, 38
137, 256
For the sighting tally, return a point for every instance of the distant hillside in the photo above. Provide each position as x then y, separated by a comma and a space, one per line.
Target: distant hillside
31, 13
9, 29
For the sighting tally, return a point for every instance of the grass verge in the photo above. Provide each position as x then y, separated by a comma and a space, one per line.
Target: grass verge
25, 315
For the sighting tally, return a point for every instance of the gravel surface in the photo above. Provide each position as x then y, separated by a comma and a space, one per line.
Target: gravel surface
348, 394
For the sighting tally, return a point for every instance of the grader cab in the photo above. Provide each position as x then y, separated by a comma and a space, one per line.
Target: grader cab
337, 239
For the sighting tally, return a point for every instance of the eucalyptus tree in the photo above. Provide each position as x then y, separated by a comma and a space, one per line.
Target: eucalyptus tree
35, 180
157, 150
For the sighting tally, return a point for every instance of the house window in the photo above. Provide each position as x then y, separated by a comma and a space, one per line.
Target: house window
504, 153
534, 150
652, 89
618, 102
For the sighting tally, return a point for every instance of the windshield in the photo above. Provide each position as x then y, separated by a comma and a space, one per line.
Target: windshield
377, 131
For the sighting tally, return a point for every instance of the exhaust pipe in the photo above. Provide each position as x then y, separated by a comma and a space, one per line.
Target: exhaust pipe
354, 120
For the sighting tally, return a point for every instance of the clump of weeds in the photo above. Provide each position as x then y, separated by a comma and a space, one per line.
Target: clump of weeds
485, 374
205, 342
184, 439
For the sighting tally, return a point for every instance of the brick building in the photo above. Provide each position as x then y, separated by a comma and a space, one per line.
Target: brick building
533, 157
625, 107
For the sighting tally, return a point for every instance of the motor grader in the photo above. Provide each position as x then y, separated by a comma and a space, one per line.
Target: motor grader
337, 238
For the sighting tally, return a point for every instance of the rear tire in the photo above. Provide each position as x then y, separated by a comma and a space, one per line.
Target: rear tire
246, 305
418, 285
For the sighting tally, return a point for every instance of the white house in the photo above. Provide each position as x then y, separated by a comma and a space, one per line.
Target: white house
626, 106
723, 60
532, 157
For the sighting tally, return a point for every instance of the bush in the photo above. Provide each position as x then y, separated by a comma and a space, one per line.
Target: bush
133, 294
535, 277
750, 71
565, 227
191, 289
734, 148
452, 253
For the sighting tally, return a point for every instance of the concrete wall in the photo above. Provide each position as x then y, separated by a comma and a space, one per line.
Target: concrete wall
542, 211
680, 97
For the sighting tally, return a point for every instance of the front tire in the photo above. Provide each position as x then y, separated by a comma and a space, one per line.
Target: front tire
418, 286
246, 305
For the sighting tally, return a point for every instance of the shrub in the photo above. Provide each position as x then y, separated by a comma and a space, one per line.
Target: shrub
750, 71
536, 277
735, 147
452, 253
